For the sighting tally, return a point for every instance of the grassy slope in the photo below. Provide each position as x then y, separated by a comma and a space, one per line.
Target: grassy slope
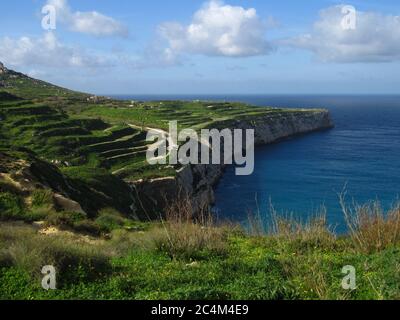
113, 257
145, 265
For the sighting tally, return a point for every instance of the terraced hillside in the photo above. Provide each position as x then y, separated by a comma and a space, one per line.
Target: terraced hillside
97, 143
193, 114
86, 151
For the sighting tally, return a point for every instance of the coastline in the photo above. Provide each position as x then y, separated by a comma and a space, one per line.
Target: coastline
197, 182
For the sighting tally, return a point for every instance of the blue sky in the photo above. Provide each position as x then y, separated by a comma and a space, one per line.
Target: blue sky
206, 47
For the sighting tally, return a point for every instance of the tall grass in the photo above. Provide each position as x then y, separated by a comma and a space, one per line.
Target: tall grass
22, 247
370, 227
288, 227
189, 234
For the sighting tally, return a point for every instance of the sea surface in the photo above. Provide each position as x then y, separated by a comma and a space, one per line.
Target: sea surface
299, 175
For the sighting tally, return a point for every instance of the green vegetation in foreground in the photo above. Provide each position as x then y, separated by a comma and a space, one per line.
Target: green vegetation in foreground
110, 256
186, 259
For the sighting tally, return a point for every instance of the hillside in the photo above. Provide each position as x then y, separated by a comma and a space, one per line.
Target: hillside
93, 141
26, 87
76, 193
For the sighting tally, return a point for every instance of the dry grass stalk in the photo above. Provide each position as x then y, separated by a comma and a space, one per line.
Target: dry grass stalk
370, 227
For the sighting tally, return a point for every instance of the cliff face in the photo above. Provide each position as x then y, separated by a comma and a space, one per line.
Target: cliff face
197, 181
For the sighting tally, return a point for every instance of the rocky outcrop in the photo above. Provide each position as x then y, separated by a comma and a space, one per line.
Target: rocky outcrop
67, 204
27, 173
197, 181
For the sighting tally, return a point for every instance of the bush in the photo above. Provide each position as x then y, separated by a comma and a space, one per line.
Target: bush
42, 198
192, 242
110, 219
189, 236
38, 214
371, 228
64, 219
87, 227
74, 221
11, 206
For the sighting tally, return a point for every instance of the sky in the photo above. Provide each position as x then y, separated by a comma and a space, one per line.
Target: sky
206, 47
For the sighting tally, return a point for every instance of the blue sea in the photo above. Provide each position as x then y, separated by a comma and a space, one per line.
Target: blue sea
299, 175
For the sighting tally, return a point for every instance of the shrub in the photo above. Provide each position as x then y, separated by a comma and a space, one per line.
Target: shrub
311, 234
74, 221
371, 228
64, 219
42, 198
11, 206
191, 236
87, 227
38, 214
110, 219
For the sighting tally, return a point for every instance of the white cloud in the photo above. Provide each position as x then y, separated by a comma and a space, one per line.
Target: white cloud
46, 51
217, 29
93, 23
376, 38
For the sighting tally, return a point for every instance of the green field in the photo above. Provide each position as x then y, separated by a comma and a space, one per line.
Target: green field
182, 260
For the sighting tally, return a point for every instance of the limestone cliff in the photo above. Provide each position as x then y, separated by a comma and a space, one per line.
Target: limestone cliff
197, 181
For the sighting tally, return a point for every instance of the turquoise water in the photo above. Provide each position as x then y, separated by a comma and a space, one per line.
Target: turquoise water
301, 174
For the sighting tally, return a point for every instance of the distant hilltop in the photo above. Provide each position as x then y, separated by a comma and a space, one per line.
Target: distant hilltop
26, 87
